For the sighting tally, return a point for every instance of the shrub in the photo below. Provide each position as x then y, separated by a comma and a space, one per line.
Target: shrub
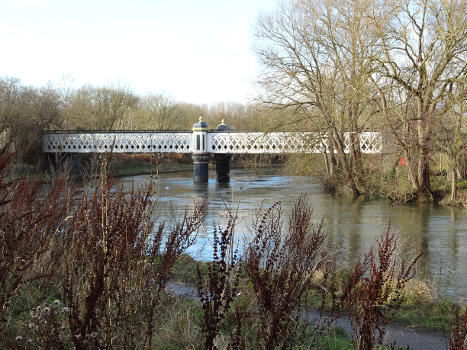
220, 288
458, 332
32, 219
375, 284
282, 265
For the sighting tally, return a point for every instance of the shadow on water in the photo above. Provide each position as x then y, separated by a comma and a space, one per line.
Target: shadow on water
352, 225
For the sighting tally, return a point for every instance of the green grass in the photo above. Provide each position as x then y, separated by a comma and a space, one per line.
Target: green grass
436, 316
335, 339
184, 270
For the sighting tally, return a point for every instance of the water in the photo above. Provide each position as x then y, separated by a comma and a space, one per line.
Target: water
352, 225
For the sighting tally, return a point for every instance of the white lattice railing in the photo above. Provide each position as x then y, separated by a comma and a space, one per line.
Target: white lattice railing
120, 142
285, 142
217, 142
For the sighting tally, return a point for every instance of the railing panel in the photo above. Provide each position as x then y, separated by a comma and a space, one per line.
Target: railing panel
217, 142
284, 142
122, 142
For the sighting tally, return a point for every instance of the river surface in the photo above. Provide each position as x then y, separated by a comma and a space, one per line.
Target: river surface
352, 226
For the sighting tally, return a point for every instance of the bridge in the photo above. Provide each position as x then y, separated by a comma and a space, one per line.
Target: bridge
201, 142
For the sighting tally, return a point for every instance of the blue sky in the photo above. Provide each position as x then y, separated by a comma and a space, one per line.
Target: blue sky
194, 51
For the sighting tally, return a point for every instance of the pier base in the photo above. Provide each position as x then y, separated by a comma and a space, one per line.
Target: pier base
200, 167
222, 167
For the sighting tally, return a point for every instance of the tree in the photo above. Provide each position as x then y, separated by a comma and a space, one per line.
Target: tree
160, 112
99, 108
317, 60
424, 60
9, 111
24, 113
452, 135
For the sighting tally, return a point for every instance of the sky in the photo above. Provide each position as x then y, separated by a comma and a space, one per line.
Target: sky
195, 51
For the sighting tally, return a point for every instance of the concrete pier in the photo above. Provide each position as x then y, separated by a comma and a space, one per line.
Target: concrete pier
222, 159
200, 167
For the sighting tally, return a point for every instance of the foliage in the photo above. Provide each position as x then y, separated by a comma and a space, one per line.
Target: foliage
32, 219
110, 264
96, 267
220, 288
458, 333
375, 283
281, 265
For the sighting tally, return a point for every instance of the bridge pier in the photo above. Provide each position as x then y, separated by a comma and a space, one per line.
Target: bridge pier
222, 167
200, 167
200, 154
223, 159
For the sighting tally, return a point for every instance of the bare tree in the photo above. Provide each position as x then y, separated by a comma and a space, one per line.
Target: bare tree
9, 111
424, 59
452, 135
317, 58
24, 113
98, 108
160, 112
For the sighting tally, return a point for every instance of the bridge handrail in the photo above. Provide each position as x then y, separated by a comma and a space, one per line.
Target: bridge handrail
115, 131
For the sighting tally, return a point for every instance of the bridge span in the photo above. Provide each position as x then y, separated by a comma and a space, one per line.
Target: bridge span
201, 142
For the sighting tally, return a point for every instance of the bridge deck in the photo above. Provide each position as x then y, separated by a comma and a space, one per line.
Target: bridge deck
181, 142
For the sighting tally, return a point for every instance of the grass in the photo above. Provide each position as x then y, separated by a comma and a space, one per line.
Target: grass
433, 316
184, 270
335, 338
110, 289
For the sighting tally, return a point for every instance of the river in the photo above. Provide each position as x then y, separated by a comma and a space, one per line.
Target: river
352, 226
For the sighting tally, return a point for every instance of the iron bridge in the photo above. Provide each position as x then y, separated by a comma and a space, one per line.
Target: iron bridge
214, 141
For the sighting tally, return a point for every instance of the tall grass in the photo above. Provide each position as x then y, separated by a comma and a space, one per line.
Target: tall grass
376, 285
88, 270
32, 219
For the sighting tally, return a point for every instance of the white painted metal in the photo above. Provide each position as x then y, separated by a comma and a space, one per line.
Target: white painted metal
284, 142
118, 142
183, 142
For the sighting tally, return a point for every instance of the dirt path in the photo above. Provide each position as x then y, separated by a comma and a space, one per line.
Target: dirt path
402, 336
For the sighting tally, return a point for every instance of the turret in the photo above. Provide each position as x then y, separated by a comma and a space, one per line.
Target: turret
200, 155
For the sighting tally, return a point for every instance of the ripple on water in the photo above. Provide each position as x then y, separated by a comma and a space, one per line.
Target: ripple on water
352, 225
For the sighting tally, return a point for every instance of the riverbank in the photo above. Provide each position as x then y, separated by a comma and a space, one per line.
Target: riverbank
339, 333
420, 311
419, 325
389, 185
113, 253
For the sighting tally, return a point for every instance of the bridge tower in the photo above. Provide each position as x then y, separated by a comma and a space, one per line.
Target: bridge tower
222, 159
200, 154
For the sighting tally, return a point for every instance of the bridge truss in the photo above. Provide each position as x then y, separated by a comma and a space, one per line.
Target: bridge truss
224, 142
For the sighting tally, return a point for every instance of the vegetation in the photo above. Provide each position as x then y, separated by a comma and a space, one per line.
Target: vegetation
350, 66
90, 270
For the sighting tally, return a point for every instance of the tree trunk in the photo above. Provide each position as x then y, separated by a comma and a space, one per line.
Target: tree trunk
327, 165
423, 174
454, 184
352, 179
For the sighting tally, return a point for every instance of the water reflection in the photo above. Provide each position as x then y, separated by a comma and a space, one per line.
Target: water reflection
352, 225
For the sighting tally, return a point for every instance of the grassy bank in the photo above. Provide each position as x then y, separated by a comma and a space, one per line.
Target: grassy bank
419, 309
90, 270
384, 177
